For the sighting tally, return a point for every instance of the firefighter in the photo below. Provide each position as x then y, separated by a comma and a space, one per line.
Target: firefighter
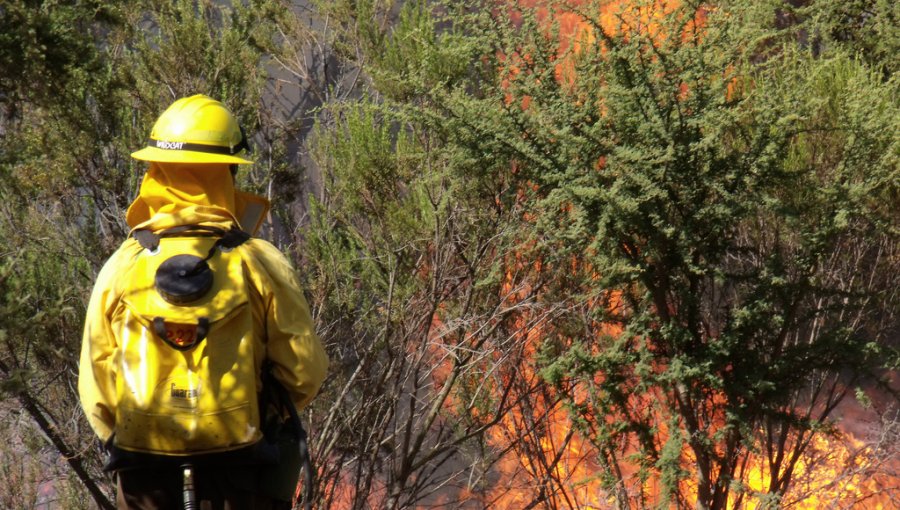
194, 329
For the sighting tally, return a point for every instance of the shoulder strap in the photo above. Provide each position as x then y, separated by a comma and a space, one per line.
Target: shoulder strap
231, 238
147, 239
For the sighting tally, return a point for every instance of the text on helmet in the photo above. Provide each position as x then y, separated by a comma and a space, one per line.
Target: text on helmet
169, 145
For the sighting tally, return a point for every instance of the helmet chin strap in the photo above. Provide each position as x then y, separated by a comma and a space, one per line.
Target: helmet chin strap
244, 144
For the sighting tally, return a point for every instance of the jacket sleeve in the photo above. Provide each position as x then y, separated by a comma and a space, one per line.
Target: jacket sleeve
297, 357
96, 371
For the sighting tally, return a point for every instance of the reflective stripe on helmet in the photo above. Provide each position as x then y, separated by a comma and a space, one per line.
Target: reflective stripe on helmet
199, 147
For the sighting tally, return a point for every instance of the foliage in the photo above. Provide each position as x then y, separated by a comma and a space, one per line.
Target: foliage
708, 198
80, 88
405, 252
735, 254
863, 28
662, 234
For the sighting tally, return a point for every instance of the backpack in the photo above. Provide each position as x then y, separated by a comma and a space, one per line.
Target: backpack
187, 380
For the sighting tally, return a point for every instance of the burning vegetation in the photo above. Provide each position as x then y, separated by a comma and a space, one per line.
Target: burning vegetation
645, 281
565, 254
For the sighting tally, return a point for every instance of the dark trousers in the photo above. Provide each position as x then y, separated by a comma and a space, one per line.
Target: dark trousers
216, 488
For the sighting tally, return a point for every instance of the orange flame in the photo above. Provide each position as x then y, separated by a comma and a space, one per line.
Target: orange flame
546, 453
543, 456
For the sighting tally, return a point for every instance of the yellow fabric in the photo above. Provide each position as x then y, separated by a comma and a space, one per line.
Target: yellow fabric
178, 194
281, 332
204, 398
251, 210
226, 294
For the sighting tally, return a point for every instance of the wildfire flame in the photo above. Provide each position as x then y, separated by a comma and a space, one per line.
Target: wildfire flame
543, 455
545, 450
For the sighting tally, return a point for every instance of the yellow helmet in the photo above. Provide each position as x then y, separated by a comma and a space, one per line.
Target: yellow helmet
196, 129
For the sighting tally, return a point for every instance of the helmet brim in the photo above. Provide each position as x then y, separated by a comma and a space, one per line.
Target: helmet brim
170, 156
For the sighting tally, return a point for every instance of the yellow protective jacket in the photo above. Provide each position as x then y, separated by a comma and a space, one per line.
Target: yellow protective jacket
283, 335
